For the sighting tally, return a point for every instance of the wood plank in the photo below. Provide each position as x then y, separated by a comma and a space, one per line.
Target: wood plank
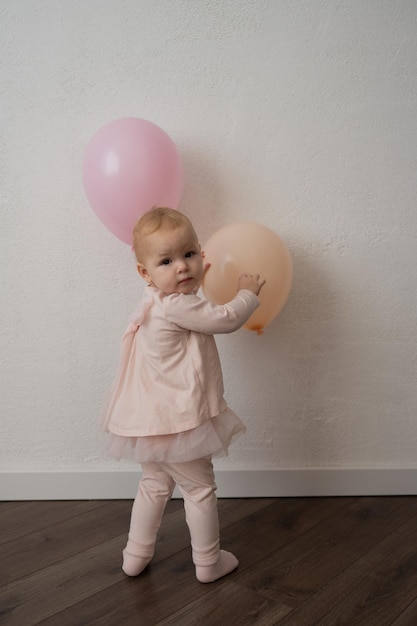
299, 569
303, 561
266, 530
315, 608
169, 581
46, 592
38, 595
6, 505
232, 510
63, 539
164, 587
380, 597
51, 589
408, 617
228, 604
29, 516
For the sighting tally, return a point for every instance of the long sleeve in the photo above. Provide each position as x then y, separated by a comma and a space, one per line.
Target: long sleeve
193, 313
170, 378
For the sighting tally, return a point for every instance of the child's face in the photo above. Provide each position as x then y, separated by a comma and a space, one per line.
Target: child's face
172, 261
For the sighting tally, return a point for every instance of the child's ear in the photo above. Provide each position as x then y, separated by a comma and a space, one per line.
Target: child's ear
143, 272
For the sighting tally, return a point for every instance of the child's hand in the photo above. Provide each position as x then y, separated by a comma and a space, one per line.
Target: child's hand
253, 282
206, 265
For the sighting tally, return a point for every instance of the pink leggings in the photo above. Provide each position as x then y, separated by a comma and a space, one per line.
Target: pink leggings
195, 481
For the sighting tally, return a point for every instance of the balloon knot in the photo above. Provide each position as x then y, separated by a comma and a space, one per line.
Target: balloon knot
258, 329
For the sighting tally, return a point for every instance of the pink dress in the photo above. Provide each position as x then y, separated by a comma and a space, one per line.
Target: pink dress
167, 401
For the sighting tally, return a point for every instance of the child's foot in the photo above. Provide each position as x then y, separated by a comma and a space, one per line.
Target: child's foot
209, 573
134, 565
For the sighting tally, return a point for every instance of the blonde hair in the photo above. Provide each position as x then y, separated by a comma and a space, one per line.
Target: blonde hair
153, 220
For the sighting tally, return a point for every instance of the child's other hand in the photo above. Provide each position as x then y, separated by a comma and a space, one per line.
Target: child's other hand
253, 282
206, 266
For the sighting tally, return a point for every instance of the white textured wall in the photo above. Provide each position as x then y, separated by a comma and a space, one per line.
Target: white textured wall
297, 114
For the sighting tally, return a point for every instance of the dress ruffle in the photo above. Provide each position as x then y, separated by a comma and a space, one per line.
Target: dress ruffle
211, 438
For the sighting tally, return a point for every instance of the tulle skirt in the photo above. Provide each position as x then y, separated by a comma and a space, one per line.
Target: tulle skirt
211, 438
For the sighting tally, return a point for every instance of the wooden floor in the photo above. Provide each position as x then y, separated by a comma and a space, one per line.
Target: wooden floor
303, 561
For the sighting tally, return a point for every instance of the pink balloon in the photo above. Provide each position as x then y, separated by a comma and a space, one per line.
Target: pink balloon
129, 166
249, 248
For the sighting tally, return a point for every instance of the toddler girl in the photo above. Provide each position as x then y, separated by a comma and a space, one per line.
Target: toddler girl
167, 407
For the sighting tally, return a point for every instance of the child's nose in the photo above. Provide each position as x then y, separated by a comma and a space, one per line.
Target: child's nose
182, 265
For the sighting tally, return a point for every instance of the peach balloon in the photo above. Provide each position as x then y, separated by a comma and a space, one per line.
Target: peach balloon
247, 247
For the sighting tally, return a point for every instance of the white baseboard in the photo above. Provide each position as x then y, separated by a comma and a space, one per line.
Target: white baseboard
96, 485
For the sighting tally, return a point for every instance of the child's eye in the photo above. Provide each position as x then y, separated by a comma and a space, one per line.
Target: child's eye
189, 254
165, 262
